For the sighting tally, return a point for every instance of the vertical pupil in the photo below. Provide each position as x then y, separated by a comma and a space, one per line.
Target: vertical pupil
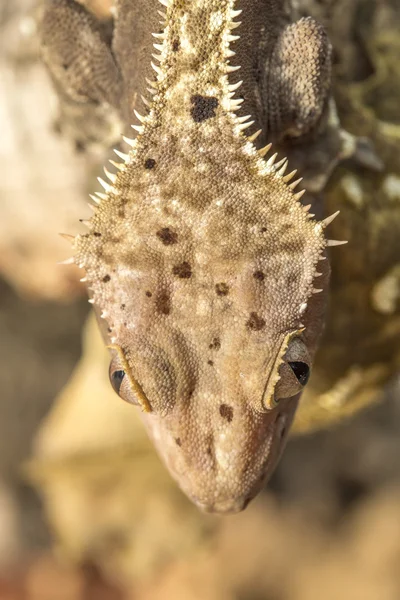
301, 370
116, 379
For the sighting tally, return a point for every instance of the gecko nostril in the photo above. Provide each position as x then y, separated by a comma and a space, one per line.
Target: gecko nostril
247, 502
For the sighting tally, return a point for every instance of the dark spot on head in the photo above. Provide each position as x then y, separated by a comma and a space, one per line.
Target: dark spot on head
226, 412
259, 275
215, 344
106, 278
149, 294
209, 441
167, 236
210, 362
122, 306
178, 442
175, 45
66, 66
163, 303
183, 270
96, 234
149, 163
292, 279
79, 146
222, 289
109, 329
203, 107
263, 229
255, 322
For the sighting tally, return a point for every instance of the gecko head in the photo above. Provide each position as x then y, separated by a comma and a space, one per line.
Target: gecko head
220, 424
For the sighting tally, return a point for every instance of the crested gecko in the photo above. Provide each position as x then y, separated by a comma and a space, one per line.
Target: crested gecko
207, 269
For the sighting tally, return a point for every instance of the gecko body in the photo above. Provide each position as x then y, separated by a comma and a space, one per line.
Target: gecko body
206, 267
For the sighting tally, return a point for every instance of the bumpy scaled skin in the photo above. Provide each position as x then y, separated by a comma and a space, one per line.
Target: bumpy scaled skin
202, 259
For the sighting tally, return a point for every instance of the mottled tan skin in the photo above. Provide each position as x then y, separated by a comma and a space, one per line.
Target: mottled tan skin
200, 257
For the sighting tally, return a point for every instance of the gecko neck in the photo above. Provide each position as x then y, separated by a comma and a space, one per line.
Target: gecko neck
194, 57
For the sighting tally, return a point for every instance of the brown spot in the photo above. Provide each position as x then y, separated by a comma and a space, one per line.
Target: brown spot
175, 45
292, 279
226, 412
79, 146
263, 229
163, 303
210, 362
255, 322
215, 344
109, 329
149, 294
210, 448
96, 234
203, 107
167, 236
178, 442
183, 270
286, 227
123, 306
149, 163
222, 289
121, 213
259, 275
106, 278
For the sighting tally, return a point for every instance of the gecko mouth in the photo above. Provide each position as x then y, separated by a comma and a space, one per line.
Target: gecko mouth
224, 507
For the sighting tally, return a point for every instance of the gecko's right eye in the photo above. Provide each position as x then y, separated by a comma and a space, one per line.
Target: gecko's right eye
116, 378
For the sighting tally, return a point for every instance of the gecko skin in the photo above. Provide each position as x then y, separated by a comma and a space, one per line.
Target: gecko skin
200, 256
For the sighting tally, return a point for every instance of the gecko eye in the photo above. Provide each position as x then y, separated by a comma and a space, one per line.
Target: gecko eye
301, 370
116, 378
294, 372
120, 382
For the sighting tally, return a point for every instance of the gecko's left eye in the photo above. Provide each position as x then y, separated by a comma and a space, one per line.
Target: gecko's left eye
116, 378
120, 382
301, 371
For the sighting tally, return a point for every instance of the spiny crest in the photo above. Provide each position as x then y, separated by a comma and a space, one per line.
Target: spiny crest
158, 89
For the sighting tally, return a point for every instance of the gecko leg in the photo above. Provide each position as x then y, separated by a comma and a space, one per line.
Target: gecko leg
78, 56
296, 80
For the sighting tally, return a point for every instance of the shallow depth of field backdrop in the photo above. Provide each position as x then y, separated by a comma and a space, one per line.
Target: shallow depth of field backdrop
86, 509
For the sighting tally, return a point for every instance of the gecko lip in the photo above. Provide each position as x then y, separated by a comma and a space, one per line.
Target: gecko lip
224, 507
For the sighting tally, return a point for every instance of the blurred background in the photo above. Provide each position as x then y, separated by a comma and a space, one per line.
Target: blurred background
86, 509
